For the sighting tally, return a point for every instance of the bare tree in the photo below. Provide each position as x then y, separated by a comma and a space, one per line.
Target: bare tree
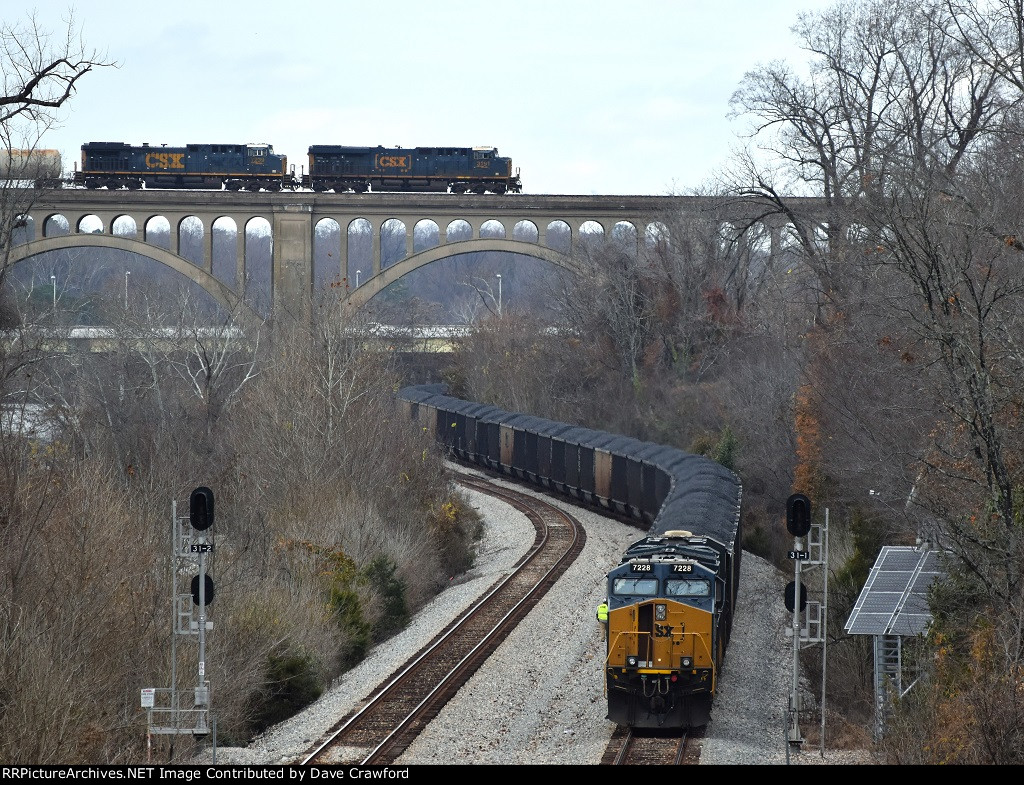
907, 129
41, 71
888, 84
993, 32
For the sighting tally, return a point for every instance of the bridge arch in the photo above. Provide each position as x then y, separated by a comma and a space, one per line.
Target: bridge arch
392, 273
220, 292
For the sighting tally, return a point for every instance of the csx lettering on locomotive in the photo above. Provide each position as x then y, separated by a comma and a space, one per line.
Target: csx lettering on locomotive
165, 161
392, 162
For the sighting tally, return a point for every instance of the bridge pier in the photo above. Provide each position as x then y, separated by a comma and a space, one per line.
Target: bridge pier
292, 265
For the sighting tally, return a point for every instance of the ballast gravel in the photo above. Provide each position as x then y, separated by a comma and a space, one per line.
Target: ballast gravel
539, 699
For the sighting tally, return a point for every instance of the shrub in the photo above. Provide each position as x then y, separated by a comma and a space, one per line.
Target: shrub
290, 686
394, 611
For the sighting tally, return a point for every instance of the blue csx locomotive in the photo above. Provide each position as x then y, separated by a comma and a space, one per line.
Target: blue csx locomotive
256, 167
232, 166
672, 597
446, 169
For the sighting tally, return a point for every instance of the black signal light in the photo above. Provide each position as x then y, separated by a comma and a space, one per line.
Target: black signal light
200, 508
791, 596
207, 589
798, 515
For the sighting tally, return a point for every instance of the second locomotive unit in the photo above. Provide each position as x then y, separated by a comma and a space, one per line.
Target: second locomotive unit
252, 167
443, 169
672, 597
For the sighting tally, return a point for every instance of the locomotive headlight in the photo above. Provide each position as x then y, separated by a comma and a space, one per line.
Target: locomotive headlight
660, 611
686, 662
631, 661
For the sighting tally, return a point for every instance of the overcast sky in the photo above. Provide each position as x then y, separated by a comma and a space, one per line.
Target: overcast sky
585, 96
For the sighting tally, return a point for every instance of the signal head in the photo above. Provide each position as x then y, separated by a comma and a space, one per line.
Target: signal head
798, 515
200, 508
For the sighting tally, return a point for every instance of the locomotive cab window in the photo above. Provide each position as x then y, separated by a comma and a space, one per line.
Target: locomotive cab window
630, 585
689, 587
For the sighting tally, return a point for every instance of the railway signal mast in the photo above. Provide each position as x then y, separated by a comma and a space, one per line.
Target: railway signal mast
808, 616
191, 547
798, 523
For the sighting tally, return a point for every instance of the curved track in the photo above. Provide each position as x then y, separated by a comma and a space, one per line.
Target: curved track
383, 728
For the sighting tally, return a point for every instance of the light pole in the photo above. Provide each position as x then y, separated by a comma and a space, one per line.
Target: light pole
53, 285
499, 293
358, 272
126, 274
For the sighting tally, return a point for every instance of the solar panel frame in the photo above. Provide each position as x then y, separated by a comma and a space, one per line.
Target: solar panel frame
894, 600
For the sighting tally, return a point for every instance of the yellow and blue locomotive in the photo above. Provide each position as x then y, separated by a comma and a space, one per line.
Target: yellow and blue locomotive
456, 170
671, 599
670, 605
252, 167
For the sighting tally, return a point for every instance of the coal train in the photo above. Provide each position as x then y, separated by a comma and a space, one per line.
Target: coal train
672, 597
256, 167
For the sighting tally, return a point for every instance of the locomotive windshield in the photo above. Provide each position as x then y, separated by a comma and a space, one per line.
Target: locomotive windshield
630, 585
691, 587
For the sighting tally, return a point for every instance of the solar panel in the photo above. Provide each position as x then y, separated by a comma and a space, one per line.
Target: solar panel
894, 600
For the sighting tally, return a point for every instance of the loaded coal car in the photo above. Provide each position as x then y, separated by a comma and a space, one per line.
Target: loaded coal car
456, 170
672, 597
252, 167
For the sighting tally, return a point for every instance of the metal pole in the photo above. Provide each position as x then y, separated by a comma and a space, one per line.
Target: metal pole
824, 627
53, 283
175, 536
794, 698
126, 274
358, 273
202, 694
499, 293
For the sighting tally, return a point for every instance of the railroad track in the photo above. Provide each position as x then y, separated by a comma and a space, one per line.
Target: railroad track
644, 747
380, 731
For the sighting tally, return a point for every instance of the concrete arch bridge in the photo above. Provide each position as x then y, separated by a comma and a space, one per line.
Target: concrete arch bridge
314, 237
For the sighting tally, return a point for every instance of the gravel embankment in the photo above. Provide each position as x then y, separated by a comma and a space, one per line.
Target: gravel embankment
539, 699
